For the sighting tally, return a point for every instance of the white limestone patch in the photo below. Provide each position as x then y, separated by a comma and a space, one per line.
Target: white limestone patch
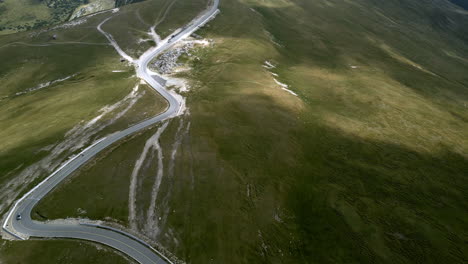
71, 24
268, 65
151, 143
92, 7
273, 38
255, 11
112, 41
179, 83
139, 41
280, 83
284, 87
182, 68
201, 42
81, 211
151, 222
109, 108
180, 134
44, 85
154, 35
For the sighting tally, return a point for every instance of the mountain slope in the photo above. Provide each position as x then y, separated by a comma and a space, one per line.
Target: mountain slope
21, 15
320, 131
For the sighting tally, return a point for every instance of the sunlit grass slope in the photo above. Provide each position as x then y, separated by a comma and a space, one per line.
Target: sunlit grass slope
50, 90
105, 179
20, 15
101, 201
131, 26
367, 164
59, 251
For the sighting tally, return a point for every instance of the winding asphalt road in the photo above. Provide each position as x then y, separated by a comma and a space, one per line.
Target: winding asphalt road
135, 248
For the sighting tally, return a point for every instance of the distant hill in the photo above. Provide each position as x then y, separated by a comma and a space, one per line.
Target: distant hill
21, 15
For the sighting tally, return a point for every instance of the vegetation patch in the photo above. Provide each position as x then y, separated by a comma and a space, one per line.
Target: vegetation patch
57, 251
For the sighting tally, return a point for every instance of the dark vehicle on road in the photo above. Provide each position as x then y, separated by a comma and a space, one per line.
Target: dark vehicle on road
170, 39
18, 217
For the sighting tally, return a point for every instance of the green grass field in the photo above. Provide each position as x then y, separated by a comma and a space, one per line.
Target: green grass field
367, 164
91, 94
33, 118
21, 15
106, 178
58, 251
131, 26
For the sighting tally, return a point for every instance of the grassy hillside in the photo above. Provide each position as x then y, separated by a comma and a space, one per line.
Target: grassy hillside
22, 15
56, 96
130, 27
90, 7
106, 178
367, 164
58, 251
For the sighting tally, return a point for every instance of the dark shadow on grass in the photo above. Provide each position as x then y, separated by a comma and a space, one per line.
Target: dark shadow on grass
344, 199
351, 190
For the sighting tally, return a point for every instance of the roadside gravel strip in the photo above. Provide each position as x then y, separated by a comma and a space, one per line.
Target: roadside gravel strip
119, 240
